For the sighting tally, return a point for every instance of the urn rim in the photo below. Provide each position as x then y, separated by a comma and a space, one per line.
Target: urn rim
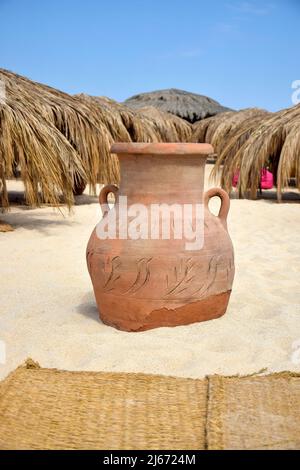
161, 148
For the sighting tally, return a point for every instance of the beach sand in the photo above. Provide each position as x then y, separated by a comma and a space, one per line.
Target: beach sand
48, 311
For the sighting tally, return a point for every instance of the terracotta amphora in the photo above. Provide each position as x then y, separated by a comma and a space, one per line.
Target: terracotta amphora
148, 277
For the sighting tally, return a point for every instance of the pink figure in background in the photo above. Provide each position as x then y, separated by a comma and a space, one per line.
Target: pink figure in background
266, 179
235, 179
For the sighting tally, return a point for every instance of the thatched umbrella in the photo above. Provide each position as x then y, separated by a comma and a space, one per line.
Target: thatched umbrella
189, 106
142, 125
47, 160
59, 143
137, 129
256, 140
217, 129
275, 140
57, 140
203, 130
170, 127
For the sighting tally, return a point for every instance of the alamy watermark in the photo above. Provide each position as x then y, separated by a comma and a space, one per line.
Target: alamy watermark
296, 93
154, 221
2, 352
2, 92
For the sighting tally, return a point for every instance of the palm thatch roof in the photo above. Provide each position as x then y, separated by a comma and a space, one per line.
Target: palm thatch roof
55, 139
216, 129
145, 124
60, 142
137, 129
250, 140
189, 106
170, 127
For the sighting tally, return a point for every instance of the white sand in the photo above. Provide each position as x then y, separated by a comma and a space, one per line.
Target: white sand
47, 308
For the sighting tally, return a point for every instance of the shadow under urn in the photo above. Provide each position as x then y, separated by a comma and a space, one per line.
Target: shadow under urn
149, 282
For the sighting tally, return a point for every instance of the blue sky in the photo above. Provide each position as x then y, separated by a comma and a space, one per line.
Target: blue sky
241, 53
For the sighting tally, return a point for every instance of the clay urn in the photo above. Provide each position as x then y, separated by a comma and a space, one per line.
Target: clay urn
159, 257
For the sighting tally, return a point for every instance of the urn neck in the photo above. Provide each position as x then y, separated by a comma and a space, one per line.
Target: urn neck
155, 178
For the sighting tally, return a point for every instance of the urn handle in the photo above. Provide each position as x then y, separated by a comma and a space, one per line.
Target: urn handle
225, 203
109, 188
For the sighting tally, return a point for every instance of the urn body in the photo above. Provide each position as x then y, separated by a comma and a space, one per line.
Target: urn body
143, 275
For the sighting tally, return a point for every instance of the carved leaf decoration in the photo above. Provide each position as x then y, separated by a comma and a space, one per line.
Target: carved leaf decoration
114, 274
142, 277
186, 277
